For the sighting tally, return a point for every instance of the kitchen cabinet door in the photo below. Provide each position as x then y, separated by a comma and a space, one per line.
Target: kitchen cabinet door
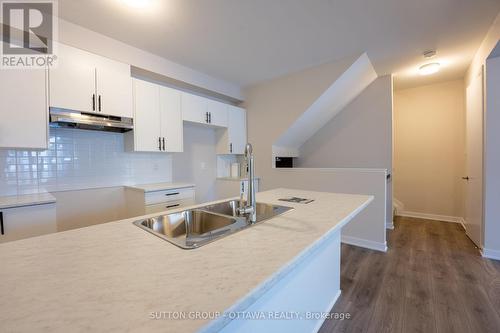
114, 88
237, 129
147, 127
171, 119
29, 221
72, 81
24, 111
217, 112
233, 139
194, 108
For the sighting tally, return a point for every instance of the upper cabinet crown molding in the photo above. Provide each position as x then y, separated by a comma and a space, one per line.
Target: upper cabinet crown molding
86, 82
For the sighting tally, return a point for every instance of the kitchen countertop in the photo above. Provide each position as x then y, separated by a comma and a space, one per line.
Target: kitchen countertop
26, 200
159, 186
117, 277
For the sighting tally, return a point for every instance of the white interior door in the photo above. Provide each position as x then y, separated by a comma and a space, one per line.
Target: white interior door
474, 160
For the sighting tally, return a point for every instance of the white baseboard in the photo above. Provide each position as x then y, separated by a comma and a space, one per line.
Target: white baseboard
491, 254
365, 243
389, 225
462, 222
435, 217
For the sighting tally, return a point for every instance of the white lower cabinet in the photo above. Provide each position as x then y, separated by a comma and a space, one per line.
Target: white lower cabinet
28, 221
140, 202
157, 119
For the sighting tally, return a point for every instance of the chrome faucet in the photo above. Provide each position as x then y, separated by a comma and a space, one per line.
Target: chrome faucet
251, 206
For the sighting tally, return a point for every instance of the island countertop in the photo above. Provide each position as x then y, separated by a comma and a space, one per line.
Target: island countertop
116, 276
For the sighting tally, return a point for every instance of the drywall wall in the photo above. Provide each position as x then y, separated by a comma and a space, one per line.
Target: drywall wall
429, 148
488, 44
360, 136
198, 163
492, 160
271, 108
343, 90
77, 36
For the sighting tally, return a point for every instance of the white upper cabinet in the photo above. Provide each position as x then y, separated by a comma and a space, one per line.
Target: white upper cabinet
237, 129
233, 139
146, 135
157, 119
24, 111
114, 88
202, 110
72, 82
194, 108
171, 119
217, 113
86, 82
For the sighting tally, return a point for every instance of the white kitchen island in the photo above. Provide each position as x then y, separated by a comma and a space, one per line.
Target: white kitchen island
117, 277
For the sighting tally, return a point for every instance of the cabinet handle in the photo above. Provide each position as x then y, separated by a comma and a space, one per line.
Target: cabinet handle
210, 117
230, 147
173, 193
2, 231
93, 102
159, 143
172, 206
99, 102
163, 144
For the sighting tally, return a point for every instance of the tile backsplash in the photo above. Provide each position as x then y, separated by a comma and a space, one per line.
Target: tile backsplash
78, 159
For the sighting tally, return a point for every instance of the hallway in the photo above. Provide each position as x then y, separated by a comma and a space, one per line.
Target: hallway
432, 279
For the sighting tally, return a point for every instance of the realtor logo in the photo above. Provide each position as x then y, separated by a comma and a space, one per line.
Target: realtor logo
28, 33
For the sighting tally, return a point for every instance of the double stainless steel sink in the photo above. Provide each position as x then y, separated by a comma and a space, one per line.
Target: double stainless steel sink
196, 227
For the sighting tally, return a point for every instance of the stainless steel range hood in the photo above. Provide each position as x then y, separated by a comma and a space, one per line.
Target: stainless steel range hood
89, 121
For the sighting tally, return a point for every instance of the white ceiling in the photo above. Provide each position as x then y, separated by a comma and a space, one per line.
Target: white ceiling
248, 41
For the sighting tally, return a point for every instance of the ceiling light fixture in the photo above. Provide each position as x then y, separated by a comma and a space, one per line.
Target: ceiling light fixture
429, 69
137, 3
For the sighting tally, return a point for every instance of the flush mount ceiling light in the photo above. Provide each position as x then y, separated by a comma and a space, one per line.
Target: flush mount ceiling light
429, 69
137, 3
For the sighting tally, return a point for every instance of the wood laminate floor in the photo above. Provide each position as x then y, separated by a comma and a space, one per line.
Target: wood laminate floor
432, 279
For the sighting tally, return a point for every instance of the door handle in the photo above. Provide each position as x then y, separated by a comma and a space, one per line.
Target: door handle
466, 178
159, 143
93, 102
99, 102
230, 147
163, 144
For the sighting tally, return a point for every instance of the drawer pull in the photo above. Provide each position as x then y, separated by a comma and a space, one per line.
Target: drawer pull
174, 193
172, 206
